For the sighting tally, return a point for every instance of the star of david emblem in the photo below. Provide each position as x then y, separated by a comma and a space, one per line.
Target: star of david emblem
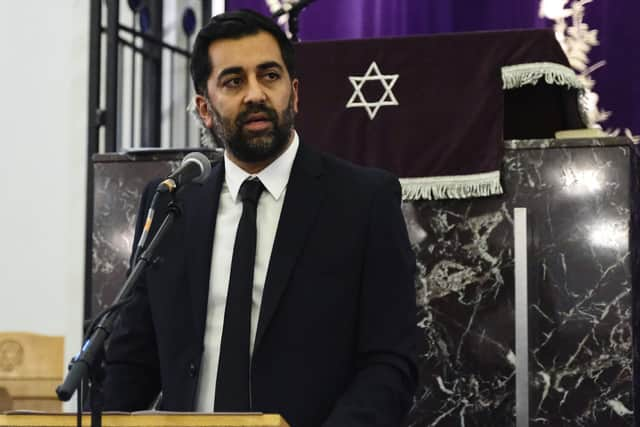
373, 74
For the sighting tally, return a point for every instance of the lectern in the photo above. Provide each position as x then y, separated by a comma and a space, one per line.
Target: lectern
146, 420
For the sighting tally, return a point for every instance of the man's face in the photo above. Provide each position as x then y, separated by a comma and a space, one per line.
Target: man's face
251, 101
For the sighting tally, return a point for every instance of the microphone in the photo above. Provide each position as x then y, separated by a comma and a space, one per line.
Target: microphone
195, 167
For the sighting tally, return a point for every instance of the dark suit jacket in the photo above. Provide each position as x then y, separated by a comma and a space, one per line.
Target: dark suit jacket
335, 344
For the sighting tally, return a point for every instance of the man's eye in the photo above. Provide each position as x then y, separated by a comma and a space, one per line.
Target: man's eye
231, 83
272, 75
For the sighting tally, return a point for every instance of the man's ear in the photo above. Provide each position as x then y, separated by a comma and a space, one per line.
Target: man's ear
203, 111
294, 87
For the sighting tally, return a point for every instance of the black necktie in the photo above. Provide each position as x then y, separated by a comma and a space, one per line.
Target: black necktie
232, 385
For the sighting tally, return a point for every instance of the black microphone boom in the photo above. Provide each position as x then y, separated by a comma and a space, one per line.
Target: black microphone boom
195, 167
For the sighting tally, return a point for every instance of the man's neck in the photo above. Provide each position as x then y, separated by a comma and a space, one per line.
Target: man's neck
253, 168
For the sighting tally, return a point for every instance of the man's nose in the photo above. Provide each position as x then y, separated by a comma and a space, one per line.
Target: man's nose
255, 92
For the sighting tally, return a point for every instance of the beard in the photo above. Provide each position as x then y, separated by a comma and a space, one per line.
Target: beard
253, 146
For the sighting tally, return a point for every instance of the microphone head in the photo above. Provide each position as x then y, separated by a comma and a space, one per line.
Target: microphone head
203, 162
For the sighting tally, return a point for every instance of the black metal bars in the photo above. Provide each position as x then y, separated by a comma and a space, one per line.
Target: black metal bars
108, 36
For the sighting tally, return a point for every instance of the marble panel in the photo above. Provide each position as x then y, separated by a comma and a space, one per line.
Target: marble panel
119, 180
580, 314
577, 197
466, 312
118, 187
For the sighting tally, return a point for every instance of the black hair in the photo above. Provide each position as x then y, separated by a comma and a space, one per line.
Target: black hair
233, 25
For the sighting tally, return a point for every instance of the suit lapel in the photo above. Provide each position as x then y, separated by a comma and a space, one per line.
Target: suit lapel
302, 200
200, 210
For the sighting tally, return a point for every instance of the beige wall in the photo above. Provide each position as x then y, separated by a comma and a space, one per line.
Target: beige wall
43, 110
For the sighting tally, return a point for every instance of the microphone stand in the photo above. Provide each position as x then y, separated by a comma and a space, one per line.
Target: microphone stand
294, 13
89, 362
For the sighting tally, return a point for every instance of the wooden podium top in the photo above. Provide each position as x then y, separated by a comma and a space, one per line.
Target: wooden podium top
145, 420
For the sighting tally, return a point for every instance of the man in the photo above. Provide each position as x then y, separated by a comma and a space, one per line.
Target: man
326, 332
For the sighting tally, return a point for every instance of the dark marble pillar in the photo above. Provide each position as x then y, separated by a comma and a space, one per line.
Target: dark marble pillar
577, 195
118, 183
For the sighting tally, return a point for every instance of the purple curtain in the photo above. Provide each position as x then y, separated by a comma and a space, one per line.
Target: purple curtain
617, 21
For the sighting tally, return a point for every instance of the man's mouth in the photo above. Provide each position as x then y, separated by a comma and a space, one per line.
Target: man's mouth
257, 122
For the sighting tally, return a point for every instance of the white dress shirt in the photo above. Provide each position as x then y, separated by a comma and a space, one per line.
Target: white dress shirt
274, 178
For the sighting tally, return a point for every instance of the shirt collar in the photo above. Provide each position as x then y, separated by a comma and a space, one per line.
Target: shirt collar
274, 177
